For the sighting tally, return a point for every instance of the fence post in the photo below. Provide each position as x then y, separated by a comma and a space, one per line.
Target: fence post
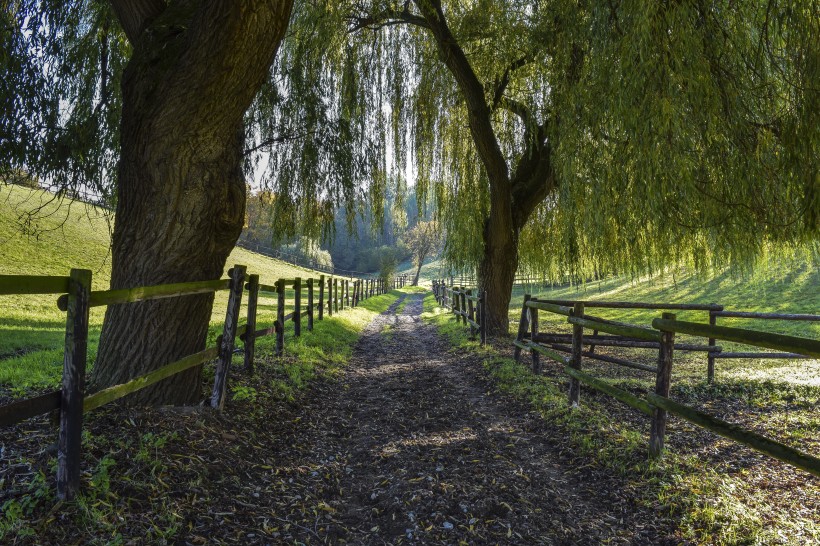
237, 274
330, 296
346, 302
310, 304
250, 329
335, 295
321, 296
657, 429
536, 358
523, 326
280, 317
575, 360
710, 366
463, 306
69, 447
483, 317
297, 307
471, 313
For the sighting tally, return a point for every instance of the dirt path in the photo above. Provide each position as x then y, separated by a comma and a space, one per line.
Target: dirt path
409, 447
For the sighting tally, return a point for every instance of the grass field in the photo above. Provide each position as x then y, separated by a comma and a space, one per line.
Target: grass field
41, 236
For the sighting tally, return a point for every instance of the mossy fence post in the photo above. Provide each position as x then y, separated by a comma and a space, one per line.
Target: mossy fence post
657, 429
69, 445
335, 295
575, 360
536, 358
310, 305
321, 297
330, 296
483, 316
237, 274
463, 309
523, 326
297, 307
250, 329
280, 317
471, 313
710, 356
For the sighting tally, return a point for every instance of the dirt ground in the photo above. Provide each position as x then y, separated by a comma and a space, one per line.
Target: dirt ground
413, 447
410, 445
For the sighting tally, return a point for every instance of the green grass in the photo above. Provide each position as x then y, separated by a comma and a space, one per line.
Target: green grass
433, 268
325, 350
791, 286
719, 495
42, 236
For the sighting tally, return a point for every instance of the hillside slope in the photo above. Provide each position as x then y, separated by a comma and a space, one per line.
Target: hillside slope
40, 235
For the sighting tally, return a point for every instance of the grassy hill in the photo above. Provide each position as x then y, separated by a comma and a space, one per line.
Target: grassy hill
433, 268
40, 235
787, 286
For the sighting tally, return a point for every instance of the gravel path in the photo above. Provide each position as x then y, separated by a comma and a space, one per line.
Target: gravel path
411, 446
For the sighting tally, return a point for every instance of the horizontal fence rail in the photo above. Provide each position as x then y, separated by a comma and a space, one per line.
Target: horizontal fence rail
658, 404
70, 401
469, 307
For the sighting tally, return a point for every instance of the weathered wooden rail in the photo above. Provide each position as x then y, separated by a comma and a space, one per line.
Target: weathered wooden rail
76, 298
660, 337
466, 304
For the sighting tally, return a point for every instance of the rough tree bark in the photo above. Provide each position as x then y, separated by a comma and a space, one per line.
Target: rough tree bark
195, 69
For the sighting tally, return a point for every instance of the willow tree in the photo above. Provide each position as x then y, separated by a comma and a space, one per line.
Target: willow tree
151, 98
636, 134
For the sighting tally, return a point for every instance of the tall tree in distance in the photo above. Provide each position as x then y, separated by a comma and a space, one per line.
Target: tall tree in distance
423, 241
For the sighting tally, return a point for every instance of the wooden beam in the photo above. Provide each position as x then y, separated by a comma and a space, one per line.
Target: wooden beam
619, 394
116, 392
69, 445
21, 410
610, 327
29, 284
779, 342
782, 452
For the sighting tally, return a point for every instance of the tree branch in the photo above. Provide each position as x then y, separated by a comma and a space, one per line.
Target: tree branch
135, 15
473, 91
386, 18
501, 83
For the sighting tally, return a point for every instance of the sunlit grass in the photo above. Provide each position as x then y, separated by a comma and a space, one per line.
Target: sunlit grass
65, 235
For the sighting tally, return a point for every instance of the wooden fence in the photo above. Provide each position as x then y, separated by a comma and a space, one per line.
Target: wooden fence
661, 338
399, 281
466, 304
77, 298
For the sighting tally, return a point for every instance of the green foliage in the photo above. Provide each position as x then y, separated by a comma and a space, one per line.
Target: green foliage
423, 241
678, 133
62, 67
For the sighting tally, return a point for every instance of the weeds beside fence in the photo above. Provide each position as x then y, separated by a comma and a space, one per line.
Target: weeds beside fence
76, 299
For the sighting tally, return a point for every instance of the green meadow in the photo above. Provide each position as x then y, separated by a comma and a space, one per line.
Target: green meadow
40, 235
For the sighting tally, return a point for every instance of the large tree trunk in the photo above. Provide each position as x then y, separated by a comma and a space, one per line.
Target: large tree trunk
181, 191
418, 273
496, 270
